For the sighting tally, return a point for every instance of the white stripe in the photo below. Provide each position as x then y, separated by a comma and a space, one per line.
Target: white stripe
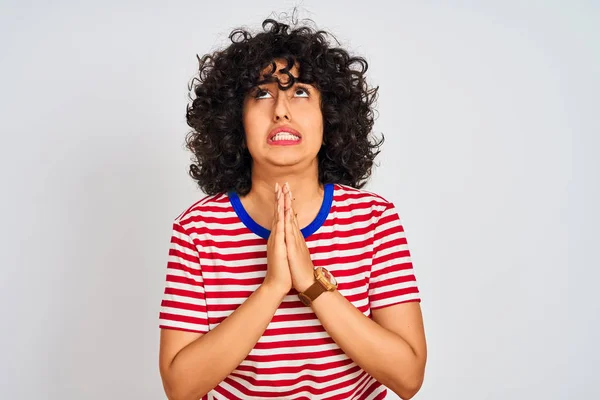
293, 336
232, 288
232, 275
184, 274
184, 286
234, 263
183, 312
184, 299
393, 273
315, 373
182, 325
391, 300
294, 363
392, 288
280, 351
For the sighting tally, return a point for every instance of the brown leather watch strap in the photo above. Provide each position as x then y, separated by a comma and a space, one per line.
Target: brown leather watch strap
314, 291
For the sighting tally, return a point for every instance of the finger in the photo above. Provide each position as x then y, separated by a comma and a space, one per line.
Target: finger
285, 189
280, 214
288, 205
275, 214
295, 219
288, 202
293, 215
289, 225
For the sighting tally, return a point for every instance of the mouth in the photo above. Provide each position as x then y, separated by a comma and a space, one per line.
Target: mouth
284, 136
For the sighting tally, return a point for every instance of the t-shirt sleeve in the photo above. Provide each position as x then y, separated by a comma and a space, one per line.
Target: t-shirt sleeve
392, 278
183, 305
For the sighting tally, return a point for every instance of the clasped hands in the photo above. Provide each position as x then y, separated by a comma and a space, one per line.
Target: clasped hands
288, 257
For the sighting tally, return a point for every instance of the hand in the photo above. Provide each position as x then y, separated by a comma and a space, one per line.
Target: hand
278, 271
298, 255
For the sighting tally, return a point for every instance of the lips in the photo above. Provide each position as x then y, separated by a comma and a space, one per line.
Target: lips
280, 129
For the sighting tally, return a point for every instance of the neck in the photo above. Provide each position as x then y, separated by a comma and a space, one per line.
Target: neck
305, 188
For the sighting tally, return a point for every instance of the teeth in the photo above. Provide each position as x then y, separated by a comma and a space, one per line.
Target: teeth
285, 136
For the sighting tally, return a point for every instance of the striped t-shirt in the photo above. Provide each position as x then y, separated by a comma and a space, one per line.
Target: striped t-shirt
218, 258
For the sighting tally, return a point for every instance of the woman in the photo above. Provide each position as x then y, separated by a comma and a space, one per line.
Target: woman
288, 281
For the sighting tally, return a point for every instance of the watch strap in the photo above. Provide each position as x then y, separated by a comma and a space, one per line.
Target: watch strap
314, 291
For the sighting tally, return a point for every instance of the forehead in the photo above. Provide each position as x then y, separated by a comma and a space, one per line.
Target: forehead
280, 70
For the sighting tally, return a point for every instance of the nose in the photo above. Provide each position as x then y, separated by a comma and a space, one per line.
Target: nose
282, 108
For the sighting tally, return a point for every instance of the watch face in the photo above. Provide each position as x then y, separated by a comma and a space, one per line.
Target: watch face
329, 277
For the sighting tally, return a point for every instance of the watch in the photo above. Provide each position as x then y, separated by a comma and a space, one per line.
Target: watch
324, 282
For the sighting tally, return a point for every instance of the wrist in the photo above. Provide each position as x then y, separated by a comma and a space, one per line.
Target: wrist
305, 283
279, 290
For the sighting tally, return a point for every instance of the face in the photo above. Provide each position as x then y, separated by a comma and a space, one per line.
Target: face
269, 107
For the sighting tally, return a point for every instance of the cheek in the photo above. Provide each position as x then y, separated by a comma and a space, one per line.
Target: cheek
252, 125
311, 118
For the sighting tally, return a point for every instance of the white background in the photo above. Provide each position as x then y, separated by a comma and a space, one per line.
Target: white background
490, 112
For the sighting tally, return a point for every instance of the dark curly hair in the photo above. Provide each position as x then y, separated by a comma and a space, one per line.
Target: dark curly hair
221, 159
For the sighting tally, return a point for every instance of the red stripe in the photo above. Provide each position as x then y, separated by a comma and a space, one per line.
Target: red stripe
232, 244
296, 330
184, 293
378, 270
418, 300
298, 379
183, 318
394, 293
183, 306
182, 267
184, 256
241, 256
387, 244
233, 281
182, 279
393, 281
392, 257
294, 343
176, 328
294, 369
176, 240
316, 355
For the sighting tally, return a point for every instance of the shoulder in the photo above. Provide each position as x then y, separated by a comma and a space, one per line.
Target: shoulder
361, 198
201, 209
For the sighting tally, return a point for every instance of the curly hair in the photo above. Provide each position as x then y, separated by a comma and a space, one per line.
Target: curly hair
221, 160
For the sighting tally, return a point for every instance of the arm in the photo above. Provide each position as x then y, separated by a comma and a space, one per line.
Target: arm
391, 347
191, 364
194, 359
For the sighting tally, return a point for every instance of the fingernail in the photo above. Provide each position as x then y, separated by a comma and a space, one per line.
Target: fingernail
276, 187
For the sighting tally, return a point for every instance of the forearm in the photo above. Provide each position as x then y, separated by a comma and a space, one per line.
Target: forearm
381, 353
207, 361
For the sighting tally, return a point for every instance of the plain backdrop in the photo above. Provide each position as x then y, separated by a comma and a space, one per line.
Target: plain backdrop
490, 113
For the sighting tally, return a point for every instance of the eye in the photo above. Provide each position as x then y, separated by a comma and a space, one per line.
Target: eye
303, 89
260, 92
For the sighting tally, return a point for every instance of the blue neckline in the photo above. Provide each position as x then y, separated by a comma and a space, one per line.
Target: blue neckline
264, 233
